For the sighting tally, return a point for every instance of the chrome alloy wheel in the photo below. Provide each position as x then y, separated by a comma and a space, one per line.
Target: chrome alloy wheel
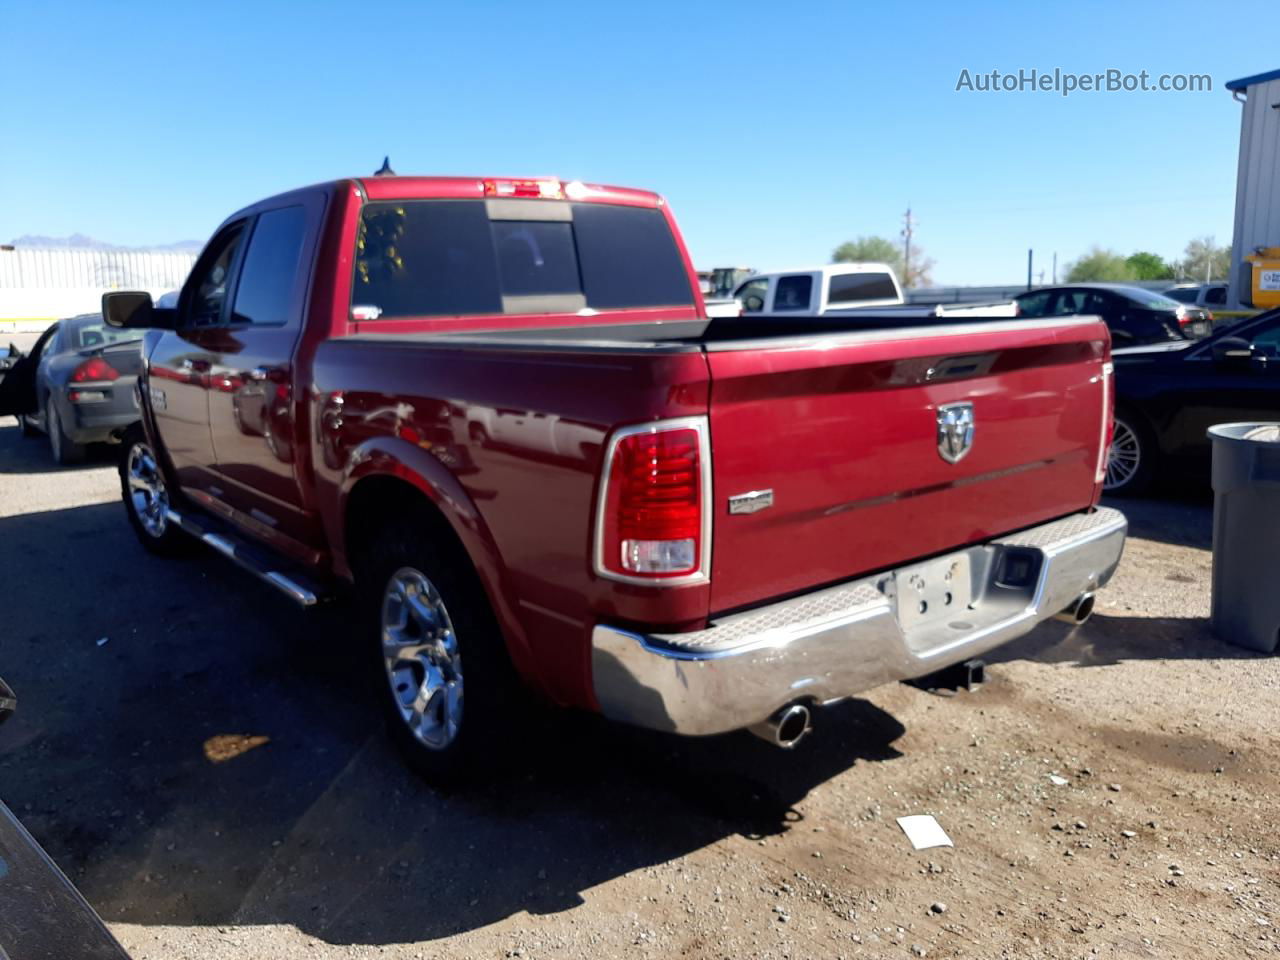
147, 493
421, 657
1125, 457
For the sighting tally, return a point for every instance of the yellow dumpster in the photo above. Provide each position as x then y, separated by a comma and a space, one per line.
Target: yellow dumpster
1265, 263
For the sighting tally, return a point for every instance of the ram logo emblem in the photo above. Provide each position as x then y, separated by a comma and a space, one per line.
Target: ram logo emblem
955, 431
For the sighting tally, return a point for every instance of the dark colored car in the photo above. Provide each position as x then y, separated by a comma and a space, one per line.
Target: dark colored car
84, 373
41, 913
1168, 395
1133, 314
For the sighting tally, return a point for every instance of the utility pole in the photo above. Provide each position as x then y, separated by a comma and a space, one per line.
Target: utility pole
908, 227
1055, 267
1029, 253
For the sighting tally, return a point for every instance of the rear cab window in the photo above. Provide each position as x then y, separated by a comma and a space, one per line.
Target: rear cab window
846, 288
420, 258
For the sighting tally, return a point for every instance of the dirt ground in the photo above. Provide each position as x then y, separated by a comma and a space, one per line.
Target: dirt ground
215, 783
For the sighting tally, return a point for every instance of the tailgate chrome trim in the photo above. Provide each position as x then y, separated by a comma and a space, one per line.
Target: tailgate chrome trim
843, 640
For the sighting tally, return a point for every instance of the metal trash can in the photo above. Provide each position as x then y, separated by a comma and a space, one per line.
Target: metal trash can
1246, 534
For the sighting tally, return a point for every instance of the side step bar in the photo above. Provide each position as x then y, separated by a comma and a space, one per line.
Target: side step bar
297, 587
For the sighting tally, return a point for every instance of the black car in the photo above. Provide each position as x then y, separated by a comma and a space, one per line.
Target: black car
1169, 394
1133, 315
41, 913
76, 385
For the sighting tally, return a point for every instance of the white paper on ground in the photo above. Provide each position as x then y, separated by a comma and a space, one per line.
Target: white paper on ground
1058, 781
923, 831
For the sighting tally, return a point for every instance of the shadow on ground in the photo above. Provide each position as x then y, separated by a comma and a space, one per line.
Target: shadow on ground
1177, 515
1106, 640
19, 454
113, 761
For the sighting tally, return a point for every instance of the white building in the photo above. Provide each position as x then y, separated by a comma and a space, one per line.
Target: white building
1258, 176
41, 284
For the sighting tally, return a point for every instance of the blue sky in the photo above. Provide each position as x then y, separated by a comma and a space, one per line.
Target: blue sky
776, 131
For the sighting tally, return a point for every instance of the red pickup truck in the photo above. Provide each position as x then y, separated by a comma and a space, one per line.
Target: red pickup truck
498, 408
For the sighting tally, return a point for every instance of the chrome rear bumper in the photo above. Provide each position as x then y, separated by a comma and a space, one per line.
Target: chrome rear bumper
843, 640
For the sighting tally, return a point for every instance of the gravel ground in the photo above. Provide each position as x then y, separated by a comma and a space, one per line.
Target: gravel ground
211, 777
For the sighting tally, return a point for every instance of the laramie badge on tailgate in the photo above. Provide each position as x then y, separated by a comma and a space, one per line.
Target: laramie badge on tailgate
752, 502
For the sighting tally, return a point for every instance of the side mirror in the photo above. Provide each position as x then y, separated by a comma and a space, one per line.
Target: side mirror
135, 311
1232, 351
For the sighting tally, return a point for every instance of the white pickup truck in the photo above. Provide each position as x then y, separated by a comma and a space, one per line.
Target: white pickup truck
841, 288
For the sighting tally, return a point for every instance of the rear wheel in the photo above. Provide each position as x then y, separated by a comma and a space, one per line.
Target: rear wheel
146, 496
64, 449
1131, 462
429, 616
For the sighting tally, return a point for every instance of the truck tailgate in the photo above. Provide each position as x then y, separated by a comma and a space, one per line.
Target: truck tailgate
845, 433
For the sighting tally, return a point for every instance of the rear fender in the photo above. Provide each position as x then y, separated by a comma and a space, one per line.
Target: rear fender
389, 456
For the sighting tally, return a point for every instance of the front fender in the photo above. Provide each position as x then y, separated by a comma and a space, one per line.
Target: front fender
390, 456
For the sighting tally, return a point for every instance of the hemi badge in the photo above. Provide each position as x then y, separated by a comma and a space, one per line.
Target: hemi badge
752, 502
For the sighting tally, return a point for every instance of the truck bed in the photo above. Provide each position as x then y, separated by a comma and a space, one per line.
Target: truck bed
836, 418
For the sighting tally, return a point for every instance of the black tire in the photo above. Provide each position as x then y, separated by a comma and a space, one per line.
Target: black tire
442, 751
145, 493
65, 450
1134, 460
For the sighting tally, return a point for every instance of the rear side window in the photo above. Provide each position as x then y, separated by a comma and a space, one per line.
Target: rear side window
853, 287
449, 258
793, 293
271, 265
1216, 296
1182, 294
629, 258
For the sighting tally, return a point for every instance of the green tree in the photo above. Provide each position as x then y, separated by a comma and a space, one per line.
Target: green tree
1149, 266
1099, 265
880, 250
1204, 260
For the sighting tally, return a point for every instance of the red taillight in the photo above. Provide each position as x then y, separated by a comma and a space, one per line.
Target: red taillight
538, 189
93, 370
651, 521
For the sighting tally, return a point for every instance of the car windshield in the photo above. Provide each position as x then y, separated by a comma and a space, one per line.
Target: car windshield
85, 333
1150, 300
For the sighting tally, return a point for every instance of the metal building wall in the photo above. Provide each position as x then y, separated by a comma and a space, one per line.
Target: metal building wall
61, 268
1257, 178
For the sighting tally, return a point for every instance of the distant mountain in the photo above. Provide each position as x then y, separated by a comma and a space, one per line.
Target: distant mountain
80, 242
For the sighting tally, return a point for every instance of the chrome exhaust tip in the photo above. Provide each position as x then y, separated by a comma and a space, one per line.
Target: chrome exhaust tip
785, 728
1079, 611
